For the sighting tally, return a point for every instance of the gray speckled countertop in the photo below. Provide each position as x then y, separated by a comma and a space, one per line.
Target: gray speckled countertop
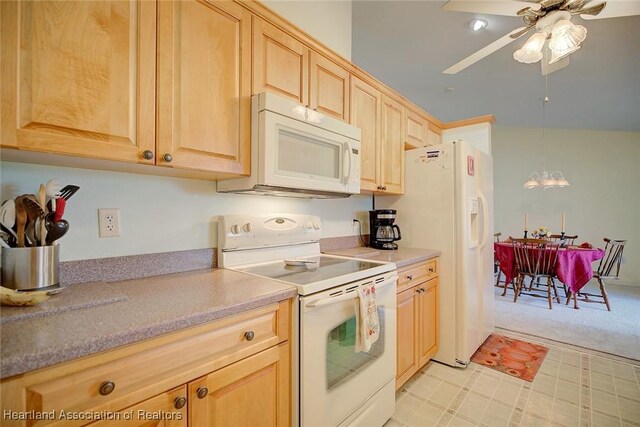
402, 256
89, 318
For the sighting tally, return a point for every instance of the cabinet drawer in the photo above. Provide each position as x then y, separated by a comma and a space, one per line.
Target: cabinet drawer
116, 379
416, 273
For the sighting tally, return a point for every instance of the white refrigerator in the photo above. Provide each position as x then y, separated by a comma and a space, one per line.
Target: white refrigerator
448, 206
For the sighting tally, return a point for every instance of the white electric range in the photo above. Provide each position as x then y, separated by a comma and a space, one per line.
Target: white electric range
332, 384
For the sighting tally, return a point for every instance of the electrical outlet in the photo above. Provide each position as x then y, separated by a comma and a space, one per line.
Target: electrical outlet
109, 222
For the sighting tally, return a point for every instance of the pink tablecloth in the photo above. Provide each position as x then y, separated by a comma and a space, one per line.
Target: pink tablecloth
573, 267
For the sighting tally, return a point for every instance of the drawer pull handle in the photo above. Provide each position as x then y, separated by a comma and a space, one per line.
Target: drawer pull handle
431, 270
409, 276
249, 335
107, 387
202, 392
180, 402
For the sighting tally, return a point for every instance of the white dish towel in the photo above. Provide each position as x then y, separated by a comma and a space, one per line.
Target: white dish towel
367, 322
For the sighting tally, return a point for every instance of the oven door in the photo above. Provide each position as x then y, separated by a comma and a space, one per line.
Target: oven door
335, 380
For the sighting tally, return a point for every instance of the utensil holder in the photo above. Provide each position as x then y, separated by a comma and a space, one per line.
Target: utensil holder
31, 269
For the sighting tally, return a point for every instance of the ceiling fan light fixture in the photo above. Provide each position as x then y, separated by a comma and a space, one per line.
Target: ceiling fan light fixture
566, 35
532, 50
558, 55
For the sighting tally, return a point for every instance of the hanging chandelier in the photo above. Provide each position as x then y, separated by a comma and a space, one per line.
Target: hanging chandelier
545, 179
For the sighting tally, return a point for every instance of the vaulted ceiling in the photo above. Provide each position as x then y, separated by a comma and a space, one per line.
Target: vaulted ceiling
407, 44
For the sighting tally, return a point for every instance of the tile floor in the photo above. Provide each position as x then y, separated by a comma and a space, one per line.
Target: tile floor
574, 387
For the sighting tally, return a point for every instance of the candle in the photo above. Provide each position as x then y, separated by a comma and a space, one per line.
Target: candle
525, 222
563, 222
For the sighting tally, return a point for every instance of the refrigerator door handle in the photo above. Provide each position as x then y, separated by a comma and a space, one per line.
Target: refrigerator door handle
485, 216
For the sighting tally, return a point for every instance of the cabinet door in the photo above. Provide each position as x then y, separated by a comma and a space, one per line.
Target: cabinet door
415, 130
204, 86
252, 392
329, 87
428, 321
280, 63
165, 410
365, 113
434, 136
407, 335
78, 77
392, 147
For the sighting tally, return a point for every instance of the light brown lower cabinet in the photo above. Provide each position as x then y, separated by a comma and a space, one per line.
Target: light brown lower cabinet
417, 318
231, 372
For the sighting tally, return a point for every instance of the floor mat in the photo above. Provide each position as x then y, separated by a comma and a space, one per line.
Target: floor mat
517, 358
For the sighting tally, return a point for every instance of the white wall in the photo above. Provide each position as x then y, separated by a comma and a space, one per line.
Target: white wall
160, 214
603, 200
327, 21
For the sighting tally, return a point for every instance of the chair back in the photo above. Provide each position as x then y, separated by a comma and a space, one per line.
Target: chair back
535, 257
497, 237
568, 240
610, 264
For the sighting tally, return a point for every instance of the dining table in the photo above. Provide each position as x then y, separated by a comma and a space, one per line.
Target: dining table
573, 267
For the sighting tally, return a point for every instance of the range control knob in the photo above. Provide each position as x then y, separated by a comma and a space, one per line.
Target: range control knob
316, 225
247, 227
235, 229
309, 225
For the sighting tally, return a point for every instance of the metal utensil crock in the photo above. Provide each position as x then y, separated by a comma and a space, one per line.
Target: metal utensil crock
33, 268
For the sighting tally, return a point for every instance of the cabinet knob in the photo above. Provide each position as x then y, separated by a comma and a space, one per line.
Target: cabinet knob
147, 154
417, 291
409, 276
249, 335
422, 289
167, 157
431, 270
107, 387
384, 187
202, 392
179, 402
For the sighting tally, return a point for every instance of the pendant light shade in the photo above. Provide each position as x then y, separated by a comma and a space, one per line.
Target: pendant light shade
566, 36
532, 50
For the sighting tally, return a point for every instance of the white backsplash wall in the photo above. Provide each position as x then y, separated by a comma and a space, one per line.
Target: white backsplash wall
160, 214
602, 201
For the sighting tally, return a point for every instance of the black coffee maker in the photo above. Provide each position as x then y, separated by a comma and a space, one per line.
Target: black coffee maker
382, 231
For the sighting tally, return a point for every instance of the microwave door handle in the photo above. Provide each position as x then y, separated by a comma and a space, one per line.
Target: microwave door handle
347, 166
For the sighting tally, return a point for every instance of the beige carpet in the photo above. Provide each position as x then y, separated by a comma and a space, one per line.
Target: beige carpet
592, 326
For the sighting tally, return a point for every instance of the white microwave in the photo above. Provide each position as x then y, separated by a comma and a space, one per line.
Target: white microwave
298, 152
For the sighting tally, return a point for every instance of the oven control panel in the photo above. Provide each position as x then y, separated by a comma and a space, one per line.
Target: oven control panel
252, 231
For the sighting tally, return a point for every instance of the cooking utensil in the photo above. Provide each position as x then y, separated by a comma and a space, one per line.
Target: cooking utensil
8, 236
8, 216
68, 191
52, 189
61, 203
56, 230
21, 220
42, 200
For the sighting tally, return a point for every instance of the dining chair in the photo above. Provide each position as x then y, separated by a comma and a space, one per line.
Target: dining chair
536, 259
496, 263
609, 268
568, 240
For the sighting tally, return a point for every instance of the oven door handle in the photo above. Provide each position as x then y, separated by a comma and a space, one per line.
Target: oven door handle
351, 295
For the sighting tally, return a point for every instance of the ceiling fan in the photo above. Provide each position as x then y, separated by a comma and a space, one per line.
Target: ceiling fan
552, 21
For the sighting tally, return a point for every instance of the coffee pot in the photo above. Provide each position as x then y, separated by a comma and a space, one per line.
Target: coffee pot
382, 230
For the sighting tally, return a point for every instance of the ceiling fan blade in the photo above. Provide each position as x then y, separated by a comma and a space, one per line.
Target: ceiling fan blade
615, 9
486, 51
492, 7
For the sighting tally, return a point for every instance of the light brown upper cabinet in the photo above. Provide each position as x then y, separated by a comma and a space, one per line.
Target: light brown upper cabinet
204, 86
366, 110
434, 135
284, 65
392, 146
79, 78
415, 130
329, 87
280, 63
